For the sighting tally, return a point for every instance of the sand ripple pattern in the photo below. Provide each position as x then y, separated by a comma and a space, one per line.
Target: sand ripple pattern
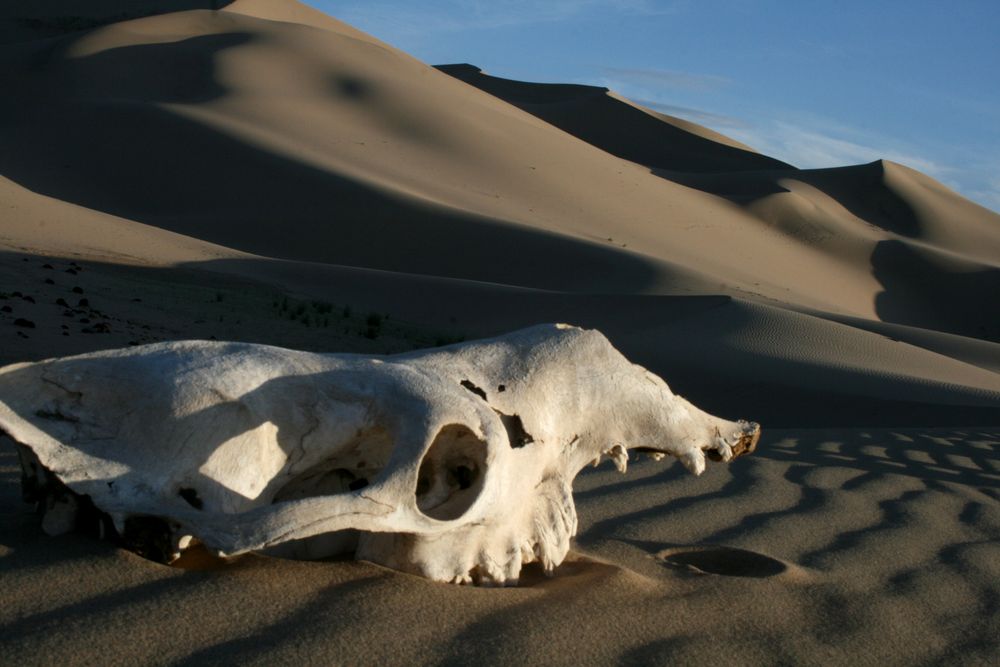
825, 547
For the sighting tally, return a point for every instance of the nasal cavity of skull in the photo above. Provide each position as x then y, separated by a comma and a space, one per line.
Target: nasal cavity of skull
451, 473
353, 468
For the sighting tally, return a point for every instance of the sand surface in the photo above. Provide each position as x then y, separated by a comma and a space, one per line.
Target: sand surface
259, 171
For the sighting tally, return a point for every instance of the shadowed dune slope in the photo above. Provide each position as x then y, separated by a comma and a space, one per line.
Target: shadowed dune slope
620, 127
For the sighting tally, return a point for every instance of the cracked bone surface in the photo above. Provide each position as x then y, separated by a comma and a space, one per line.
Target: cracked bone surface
454, 463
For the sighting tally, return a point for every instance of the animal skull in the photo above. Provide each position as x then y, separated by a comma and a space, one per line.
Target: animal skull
454, 463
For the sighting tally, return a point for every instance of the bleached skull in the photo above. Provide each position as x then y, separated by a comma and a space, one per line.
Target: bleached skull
454, 463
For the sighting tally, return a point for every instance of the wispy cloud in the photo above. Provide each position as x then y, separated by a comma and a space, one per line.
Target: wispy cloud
665, 79
813, 143
457, 15
813, 146
696, 115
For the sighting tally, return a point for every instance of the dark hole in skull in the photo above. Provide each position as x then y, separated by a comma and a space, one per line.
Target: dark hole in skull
451, 474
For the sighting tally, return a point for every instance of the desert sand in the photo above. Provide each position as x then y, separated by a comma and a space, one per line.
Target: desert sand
255, 170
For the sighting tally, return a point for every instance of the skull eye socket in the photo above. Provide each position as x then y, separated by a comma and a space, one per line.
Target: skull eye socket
451, 473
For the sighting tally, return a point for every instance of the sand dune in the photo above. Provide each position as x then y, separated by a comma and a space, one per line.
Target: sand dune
621, 127
257, 170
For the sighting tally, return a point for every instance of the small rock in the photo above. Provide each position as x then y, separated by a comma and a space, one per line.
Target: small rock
77, 290
17, 294
49, 281
62, 302
22, 334
7, 309
46, 266
21, 322
84, 320
72, 272
29, 299
83, 303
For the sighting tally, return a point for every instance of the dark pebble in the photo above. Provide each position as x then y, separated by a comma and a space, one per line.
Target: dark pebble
84, 320
72, 272
83, 303
77, 290
46, 266
6, 309
49, 281
29, 299
62, 302
21, 322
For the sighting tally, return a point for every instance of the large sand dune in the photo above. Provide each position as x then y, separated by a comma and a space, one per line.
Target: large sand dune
258, 170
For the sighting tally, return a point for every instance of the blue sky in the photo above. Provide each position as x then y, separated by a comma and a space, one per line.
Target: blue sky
817, 84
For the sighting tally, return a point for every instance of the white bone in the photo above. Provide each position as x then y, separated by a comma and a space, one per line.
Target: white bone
454, 463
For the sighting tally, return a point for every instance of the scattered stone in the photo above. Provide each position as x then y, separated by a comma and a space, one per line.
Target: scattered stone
21, 322
100, 327
49, 281
84, 320
46, 266
136, 300
77, 290
64, 326
72, 272
22, 334
62, 302
83, 303
29, 299
7, 309
17, 295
